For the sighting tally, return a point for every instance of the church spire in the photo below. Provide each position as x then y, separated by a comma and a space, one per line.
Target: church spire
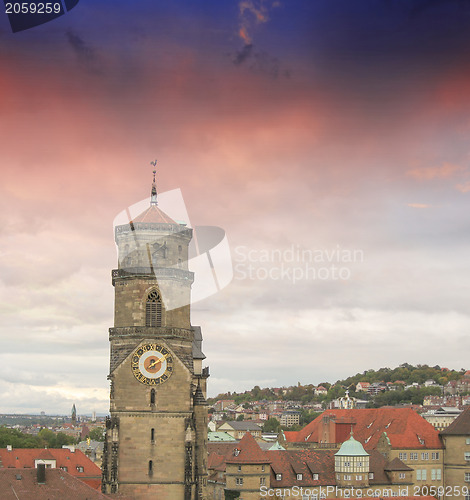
153, 197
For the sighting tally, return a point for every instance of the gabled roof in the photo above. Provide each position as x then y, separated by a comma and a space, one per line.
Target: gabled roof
59, 485
243, 425
404, 427
397, 464
460, 426
25, 457
247, 451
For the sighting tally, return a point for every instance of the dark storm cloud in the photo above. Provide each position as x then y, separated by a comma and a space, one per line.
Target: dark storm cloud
243, 54
85, 54
259, 62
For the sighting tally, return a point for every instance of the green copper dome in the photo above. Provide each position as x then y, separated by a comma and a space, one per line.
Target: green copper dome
351, 448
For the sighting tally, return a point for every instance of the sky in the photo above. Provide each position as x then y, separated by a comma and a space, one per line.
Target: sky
329, 139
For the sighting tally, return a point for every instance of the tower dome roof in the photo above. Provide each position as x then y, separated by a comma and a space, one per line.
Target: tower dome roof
154, 215
351, 448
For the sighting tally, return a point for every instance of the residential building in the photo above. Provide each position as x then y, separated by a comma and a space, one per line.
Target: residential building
395, 432
45, 484
71, 460
456, 439
246, 470
237, 429
290, 418
441, 417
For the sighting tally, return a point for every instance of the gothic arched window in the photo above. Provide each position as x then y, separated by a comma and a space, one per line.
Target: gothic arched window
153, 309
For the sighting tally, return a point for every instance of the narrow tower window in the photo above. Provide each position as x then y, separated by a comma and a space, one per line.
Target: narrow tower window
152, 397
153, 309
152, 435
150, 467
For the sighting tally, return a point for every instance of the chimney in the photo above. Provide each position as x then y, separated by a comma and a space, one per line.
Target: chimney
41, 474
9, 448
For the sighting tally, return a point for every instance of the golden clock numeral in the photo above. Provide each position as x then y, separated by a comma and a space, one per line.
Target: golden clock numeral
169, 368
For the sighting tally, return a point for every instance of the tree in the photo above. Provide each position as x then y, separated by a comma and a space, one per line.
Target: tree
97, 434
272, 425
240, 417
18, 439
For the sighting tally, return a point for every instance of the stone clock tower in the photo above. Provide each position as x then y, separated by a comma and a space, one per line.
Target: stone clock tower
156, 436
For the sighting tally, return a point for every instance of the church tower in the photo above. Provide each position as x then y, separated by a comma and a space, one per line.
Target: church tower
156, 436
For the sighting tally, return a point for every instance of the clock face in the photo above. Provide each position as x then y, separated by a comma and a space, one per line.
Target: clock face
152, 364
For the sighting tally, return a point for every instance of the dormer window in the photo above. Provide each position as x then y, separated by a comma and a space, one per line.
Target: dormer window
236, 452
278, 477
299, 477
79, 468
315, 477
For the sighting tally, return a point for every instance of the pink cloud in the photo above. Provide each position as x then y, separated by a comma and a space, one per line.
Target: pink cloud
445, 171
418, 205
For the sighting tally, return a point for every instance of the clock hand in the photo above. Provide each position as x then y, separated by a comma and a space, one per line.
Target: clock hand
159, 360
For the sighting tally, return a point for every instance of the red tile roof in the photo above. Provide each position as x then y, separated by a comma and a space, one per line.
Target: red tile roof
404, 427
154, 215
249, 452
25, 458
21, 484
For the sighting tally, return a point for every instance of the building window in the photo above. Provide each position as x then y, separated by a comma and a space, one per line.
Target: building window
435, 455
262, 468
152, 397
467, 441
467, 477
421, 475
358, 478
436, 474
402, 456
299, 477
413, 456
239, 481
239, 468
371, 475
347, 464
153, 309
467, 455
402, 475
315, 477
424, 456
79, 468
385, 493
152, 435
347, 477
150, 467
262, 481
278, 477
64, 468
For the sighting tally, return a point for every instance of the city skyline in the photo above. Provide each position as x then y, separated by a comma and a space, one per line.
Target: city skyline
309, 132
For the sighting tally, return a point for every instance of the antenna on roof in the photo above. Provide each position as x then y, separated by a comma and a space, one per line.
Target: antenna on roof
153, 197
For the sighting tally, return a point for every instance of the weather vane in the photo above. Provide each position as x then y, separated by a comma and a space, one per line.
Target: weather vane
153, 198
